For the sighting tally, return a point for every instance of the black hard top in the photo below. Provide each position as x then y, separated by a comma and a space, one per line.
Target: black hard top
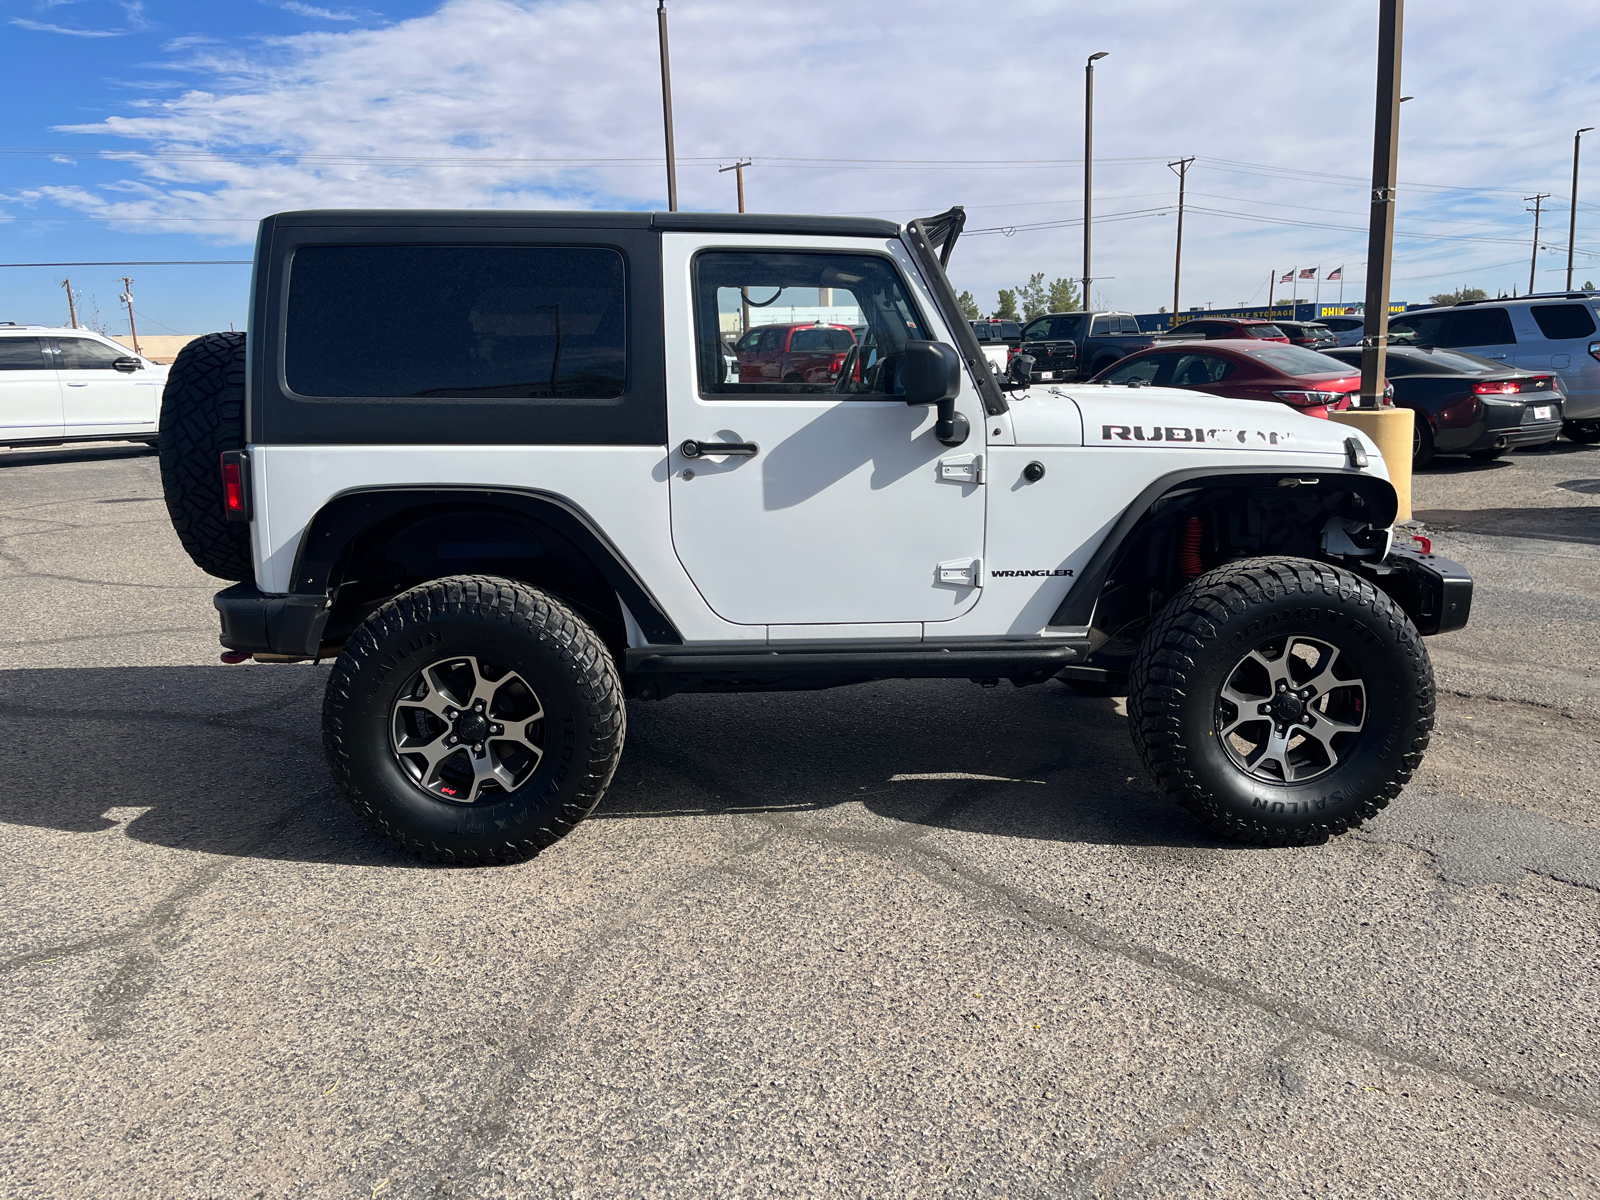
494, 218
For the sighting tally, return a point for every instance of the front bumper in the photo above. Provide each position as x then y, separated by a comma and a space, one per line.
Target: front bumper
1434, 591
256, 623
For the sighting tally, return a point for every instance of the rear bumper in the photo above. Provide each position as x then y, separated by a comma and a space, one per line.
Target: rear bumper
256, 623
1434, 591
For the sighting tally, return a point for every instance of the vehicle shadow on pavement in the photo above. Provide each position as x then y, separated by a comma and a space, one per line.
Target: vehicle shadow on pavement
22, 456
220, 760
1041, 762
1566, 524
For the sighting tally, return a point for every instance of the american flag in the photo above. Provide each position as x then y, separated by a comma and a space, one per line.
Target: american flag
1287, 275
1336, 273
1309, 273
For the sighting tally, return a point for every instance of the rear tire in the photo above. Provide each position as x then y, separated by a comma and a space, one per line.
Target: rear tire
1421, 443
1364, 715
550, 720
202, 415
1586, 432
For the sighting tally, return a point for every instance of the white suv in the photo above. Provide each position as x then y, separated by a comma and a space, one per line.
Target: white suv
1553, 332
60, 385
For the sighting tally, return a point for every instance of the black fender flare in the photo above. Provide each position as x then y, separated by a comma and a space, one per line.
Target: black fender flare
344, 517
1077, 607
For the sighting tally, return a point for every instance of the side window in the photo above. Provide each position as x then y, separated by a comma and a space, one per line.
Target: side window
1036, 331
857, 291
1198, 370
1142, 370
1101, 326
1482, 327
24, 354
1560, 322
86, 354
470, 322
1426, 330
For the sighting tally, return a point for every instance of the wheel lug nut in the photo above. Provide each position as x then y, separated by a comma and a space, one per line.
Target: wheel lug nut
478, 749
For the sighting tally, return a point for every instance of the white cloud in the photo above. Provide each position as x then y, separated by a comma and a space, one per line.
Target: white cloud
347, 118
311, 10
46, 27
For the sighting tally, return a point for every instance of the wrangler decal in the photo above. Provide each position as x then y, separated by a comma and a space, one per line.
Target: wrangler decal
1035, 573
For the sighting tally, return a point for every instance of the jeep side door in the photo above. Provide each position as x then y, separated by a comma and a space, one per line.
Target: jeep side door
835, 506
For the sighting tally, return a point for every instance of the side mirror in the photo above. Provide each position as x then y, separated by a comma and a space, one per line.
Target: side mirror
1020, 370
933, 378
128, 365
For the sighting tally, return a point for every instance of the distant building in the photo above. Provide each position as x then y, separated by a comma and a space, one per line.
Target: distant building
159, 347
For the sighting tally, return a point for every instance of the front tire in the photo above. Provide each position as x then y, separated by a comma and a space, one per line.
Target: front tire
1281, 701
473, 720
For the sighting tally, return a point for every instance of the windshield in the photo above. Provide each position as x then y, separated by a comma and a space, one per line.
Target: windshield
1294, 360
1426, 358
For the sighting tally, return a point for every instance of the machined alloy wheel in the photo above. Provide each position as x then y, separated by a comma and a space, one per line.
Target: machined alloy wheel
1290, 710
466, 730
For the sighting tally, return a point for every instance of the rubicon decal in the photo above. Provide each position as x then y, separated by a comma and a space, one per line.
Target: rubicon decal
1179, 434
1036, 574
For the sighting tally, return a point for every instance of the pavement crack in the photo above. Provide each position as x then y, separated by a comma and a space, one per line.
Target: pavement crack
941, 868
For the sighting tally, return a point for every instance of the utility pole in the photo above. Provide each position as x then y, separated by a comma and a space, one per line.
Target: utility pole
744, 299
1533, 263
1182, 167
1272, 283
1572, 218
72, 307
127, 298
1380, 230
739, 168
1088, 172
666, 106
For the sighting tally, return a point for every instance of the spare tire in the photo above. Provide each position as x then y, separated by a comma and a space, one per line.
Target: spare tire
202, 415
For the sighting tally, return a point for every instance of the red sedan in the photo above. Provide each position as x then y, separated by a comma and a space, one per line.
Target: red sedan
808, 353
1244, 370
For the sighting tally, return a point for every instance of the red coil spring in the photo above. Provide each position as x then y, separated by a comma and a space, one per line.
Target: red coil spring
1189, 549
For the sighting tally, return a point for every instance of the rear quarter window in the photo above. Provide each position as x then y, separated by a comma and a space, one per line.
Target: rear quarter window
1562, 322
500, 322
1482, 327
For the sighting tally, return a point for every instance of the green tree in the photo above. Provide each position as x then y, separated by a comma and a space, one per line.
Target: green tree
1034, 297
1007, 310
1588, 285
1457, 296
1063, 296
969, 306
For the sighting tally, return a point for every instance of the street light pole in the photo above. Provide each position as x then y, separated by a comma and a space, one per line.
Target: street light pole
1572, 218
666, 105
1380, 229
127, 298
1182, 167
1088, 172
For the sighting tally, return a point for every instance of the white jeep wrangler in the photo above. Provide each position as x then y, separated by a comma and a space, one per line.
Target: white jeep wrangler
500, 465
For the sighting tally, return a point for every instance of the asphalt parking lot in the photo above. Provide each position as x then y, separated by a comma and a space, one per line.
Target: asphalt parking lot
908, 939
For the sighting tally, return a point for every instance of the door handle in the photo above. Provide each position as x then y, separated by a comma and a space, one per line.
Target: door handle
77, 385
694, 449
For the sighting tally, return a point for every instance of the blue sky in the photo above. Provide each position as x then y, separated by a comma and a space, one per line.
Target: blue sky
219, 113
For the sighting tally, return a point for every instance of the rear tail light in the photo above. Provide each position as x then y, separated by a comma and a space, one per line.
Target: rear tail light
1499, 387
1594, 350
1308, 399
235, 485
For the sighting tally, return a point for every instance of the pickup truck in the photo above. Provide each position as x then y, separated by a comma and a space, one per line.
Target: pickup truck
1062, 351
